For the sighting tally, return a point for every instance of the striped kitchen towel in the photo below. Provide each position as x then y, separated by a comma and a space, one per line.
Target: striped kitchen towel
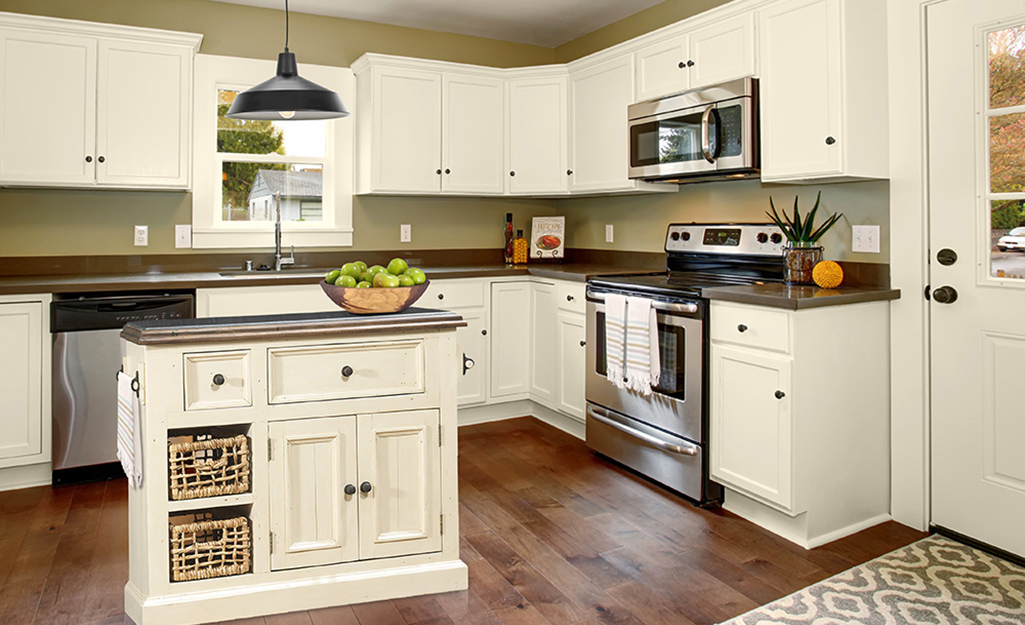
129, 430
615, 339
642, 359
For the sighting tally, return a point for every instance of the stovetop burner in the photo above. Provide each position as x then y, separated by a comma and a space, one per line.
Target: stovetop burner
671, 283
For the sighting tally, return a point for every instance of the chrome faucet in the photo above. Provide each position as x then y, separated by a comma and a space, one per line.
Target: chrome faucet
279, 261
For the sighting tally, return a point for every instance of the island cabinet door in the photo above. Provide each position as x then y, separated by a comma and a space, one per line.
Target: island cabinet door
400, 489
313, 520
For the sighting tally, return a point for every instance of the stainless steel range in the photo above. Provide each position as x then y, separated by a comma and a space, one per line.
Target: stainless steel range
664, 436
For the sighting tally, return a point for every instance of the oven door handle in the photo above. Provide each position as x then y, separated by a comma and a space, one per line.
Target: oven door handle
668, 307
683, 450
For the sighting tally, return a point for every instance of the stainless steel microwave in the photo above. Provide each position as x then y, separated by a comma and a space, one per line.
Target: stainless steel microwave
706, 134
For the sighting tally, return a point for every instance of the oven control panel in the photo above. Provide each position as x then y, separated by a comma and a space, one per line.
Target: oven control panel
746, 239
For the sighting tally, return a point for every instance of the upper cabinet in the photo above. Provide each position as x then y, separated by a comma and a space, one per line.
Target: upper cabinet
93, 105
473, 112
536, 135
823, 90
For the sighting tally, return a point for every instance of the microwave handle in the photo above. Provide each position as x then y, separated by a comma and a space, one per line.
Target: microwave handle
706, 134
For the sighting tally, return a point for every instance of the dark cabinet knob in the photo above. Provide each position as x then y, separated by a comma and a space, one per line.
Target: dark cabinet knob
100, 159
780, 394
512, 173
742, 328
830, 140
441, 296
346, 371
945, 295
218, 379
582, 343
438, 172
682, 65
569, 172
570, 298
88, 159
365, 487
448, 171
690, 63
350, 489
483, 332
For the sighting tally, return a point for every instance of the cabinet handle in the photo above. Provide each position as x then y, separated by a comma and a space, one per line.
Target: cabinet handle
830, 140
100, 159
780, 394
218, 379
438, 172
512, 173
690, 63
742, 328
448, 171
365, 487
441, 296
88, 159
569, 172
350, 489
570, 298
583, 343
682, 65
346, 371
483, 332
468, 364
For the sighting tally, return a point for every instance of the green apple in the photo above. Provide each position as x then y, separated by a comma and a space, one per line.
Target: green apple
332, 276
383, 279
371, 271
346, 281
418, 275
351, 269
362, 266
397, 266
364, 285
405, 280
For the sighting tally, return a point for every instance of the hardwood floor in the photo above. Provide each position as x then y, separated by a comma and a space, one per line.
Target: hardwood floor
551, 535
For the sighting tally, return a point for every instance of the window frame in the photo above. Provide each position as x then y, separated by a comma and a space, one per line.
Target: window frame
209, 231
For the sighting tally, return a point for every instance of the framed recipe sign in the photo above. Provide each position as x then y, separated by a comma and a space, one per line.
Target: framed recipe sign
548, 239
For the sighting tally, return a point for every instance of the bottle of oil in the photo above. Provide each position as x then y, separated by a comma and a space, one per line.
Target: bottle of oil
519, 246
508, 239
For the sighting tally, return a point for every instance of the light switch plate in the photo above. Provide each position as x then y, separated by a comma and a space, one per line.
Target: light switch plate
865, 239
183, 235
141, 236
608, 233
405, 233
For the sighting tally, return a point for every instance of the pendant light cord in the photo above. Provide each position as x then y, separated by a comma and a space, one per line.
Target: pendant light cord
286, 25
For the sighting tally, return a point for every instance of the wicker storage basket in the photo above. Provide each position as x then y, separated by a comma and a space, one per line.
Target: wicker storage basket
204, 548
208, 467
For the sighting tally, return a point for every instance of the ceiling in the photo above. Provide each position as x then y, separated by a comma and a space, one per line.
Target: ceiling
546, 23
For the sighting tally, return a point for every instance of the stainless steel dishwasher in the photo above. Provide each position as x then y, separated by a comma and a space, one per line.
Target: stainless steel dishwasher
86, 357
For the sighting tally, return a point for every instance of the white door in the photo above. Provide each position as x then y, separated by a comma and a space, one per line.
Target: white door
407, 131
976, 183
723, 51
662, 68
543, 336
400, 487
598, 130
510, 340
473, 125
47, 108
572, 366
313, 520
142, 101
21, 377
536, 135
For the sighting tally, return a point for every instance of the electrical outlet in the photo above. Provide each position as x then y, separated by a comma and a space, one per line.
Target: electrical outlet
608, 233
183, 235
405, 233
865, 239
141, 236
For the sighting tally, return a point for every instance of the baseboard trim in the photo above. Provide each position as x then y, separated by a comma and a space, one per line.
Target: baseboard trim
14, 478
522, 408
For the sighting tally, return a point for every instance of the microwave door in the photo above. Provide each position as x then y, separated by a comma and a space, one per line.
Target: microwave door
668, 144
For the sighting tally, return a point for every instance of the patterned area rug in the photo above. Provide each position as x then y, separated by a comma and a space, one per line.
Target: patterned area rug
935, 581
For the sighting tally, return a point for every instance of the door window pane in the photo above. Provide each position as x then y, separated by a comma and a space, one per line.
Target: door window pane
1007, 252
1007, 153
251, 191
288, 138
1007, 67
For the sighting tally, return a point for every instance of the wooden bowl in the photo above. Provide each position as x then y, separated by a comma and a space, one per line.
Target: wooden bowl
374, 301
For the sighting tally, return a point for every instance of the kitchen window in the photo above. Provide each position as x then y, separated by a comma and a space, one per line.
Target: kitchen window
246, 171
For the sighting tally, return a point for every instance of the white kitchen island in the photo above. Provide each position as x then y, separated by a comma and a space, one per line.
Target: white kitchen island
312, 458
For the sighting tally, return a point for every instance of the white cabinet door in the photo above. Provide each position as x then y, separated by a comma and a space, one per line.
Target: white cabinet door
143, 93
473, 345
751, 423
599, 142
543, 361
662, 68
21, 377
572, 367
473, 125
47, 108
400, 488
723, 51
536, 135
406, 131
801, 81
510, 340
314, 522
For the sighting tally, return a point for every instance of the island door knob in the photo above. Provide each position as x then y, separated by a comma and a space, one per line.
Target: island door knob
346, 371
441, 296
945, 295
570, 298
365, 487
350, 489
780, 394
218, 379
742, 328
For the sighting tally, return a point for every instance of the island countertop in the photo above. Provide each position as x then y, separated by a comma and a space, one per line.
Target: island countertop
299, 325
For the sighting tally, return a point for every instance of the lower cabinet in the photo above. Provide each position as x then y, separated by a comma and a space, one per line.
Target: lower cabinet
544, 366
354, 488
473, 351
510, 340
572, 368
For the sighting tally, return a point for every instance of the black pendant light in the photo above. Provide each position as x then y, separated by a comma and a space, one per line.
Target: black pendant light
288, 95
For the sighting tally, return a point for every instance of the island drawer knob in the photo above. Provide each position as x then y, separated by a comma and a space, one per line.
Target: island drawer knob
346, 371
365, 487
218, 379
780, 394
742, 328
350, 489
441, 296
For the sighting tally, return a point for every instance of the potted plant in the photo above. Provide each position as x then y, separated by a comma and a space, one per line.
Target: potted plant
801, 253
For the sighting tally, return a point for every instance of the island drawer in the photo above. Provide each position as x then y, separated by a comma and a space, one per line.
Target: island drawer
345, 371
217, 380
751, 327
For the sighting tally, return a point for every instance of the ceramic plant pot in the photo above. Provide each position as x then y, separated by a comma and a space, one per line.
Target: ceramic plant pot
800, 260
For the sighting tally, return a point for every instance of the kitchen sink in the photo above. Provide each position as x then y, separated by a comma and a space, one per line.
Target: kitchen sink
292, 272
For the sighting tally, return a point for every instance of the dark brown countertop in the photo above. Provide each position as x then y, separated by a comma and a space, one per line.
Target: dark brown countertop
799, 297
302, 325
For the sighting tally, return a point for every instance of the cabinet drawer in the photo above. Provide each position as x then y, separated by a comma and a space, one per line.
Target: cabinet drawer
753, 327
569, 296
325, 372
217, 380
448, 294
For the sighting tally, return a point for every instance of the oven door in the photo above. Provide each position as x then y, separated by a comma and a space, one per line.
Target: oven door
676, 402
